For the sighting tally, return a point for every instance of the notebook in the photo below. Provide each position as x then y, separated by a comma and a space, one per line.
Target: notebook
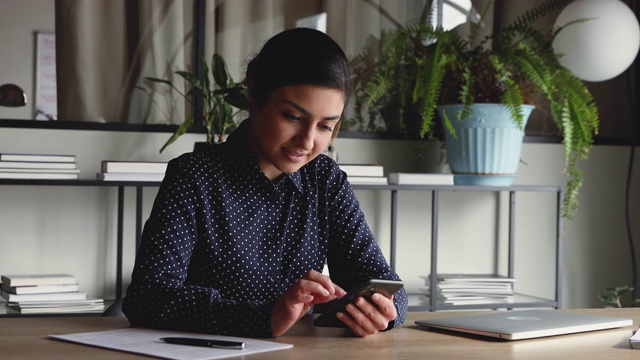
526, 324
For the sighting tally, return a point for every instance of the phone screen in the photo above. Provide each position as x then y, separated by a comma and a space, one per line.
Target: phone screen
366, 290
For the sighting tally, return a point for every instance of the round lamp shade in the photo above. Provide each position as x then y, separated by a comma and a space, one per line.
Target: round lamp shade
603, 45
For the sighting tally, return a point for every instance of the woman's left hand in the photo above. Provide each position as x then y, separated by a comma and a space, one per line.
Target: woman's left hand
366, 318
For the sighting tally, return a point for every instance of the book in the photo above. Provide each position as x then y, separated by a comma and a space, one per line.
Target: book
130, 176
420, 179
362, 170
467, 289
477, 301
52, 307
57, 171
98, 308
133, 167
38, 175
487, 278
76, 295
38, 157
38, 279
40, 289
379, 180
36, 165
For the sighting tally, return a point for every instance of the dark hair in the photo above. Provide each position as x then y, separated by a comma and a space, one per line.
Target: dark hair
294, 57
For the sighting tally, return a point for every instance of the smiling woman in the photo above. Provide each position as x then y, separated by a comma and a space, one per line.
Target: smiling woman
241, 231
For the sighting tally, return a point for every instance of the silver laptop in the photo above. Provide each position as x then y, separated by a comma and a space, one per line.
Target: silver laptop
526, 324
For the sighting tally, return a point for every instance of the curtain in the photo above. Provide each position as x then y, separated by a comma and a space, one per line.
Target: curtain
106, 47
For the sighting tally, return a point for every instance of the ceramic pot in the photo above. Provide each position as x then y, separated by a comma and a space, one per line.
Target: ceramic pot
488, 145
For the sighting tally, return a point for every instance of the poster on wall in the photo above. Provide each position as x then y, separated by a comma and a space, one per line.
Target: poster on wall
46, 96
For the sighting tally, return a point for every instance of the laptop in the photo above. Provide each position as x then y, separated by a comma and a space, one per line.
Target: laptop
526, 324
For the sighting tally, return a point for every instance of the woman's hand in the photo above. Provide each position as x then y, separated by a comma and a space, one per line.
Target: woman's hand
365, 318
313, 288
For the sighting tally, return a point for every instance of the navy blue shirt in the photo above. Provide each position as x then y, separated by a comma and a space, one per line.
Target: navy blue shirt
223, 242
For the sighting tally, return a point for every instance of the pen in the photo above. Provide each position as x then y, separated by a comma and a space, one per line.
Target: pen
219, 344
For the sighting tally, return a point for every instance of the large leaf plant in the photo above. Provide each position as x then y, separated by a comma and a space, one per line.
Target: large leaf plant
420, 67
222, 99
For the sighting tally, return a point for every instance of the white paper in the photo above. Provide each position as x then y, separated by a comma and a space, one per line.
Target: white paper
147, 342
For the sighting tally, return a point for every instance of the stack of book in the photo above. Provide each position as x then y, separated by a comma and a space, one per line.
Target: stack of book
132, 171
47, 294
364, 174
468, 289
38, 166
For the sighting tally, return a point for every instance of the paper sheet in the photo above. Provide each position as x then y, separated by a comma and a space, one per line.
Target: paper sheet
147, 342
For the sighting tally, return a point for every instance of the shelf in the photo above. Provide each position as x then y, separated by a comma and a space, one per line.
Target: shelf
415, 303
436, 190
515, 188
80, 182
120, 185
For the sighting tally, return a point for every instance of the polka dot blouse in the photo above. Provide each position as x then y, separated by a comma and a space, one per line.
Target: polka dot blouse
223, 242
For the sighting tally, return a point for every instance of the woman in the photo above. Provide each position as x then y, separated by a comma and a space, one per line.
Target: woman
239, 232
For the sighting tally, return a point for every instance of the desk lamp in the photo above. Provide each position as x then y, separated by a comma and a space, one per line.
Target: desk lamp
12, 96
601, 44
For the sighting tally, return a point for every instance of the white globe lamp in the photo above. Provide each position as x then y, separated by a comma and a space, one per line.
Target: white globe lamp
601, 47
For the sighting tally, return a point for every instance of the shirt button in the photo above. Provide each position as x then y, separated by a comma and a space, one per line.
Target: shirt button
272, 278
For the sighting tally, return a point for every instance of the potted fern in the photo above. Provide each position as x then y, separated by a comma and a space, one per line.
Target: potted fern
222, 99
422, 68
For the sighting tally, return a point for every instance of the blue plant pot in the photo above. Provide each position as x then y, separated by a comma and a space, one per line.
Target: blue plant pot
488, 145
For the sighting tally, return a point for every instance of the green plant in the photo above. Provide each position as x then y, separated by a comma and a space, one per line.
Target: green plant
420, 67
614, 296
222, 99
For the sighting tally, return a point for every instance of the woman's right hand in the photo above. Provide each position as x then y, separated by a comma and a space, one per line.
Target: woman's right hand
313, 288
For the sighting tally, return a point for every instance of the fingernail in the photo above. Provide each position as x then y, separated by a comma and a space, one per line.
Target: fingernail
325, 292
339, 315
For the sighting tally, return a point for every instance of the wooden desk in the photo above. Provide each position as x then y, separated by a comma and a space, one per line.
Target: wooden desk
25, 338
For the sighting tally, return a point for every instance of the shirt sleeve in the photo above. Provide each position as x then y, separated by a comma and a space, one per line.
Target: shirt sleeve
354, 255
159, 295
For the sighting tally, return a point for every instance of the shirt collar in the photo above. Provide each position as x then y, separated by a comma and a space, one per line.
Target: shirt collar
241, 150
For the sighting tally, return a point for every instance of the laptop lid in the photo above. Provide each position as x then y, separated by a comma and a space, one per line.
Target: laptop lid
526, 324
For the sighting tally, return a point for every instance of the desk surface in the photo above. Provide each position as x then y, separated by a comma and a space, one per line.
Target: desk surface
25, 338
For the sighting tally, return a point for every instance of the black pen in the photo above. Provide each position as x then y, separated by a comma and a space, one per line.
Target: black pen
219, 344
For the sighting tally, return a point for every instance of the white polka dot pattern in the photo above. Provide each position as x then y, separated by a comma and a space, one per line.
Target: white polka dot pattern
223, 242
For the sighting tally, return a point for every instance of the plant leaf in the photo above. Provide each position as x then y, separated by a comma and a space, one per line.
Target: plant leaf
219, 70
183, 128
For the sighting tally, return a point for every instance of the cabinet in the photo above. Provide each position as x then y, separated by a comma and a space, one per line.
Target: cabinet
521, 300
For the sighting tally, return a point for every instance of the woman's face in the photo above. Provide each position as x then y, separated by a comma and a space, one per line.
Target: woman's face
294, 127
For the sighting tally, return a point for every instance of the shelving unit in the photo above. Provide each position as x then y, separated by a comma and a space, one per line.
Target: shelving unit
121, 185
521, 300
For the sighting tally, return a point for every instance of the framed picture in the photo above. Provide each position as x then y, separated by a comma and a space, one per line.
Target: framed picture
45, 99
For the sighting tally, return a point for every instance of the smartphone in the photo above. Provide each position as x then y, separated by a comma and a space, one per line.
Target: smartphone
366, 290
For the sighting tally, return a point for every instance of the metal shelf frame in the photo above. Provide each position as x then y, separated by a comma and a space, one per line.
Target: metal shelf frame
436, 190
121, 185
393, 189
